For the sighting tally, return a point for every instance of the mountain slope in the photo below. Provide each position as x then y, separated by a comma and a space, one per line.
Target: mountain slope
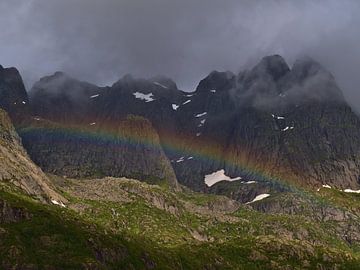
17, 168
125, 224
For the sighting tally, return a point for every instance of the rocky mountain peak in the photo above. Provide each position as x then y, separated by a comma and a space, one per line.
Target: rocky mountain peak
59, 82
219, 81
306, 67
61, 97
309, 81
260, 85
273, 65
13, 96
11, 76
164, 82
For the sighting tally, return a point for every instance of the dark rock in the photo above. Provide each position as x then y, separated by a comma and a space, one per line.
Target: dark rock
219, 81
10, 214
13, 96
129, 148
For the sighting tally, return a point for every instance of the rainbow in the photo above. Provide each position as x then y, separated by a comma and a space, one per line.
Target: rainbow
204, 150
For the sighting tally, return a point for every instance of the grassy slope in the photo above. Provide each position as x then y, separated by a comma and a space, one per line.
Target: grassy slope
137, 235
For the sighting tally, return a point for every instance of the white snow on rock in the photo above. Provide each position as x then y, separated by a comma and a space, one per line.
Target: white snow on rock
23, 102
213, 91
189, 95
259, 198
147, 97
198, 134
161, 85
213, 178
287, 128
37, 118
324, 186
95, 96
180, 160
186, 102
277, 117
201, 114
58, 203
189, 158
249, 182
174, 106
352, 191
202, 122
282, 95
92, 124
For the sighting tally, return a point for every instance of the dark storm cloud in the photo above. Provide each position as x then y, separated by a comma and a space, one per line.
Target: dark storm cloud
101, 40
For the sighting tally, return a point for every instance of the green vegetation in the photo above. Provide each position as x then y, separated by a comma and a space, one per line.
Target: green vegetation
124, 224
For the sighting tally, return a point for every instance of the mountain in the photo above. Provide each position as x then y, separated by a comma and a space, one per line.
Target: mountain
276, 145
269, 122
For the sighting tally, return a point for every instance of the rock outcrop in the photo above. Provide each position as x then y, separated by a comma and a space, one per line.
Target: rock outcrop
13, 96
16, 166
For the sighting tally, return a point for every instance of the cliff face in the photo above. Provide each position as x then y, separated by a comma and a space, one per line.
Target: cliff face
13, 96
129, 147
17, 168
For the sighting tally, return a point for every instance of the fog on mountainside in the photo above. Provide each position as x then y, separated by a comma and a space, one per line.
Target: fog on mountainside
184, 40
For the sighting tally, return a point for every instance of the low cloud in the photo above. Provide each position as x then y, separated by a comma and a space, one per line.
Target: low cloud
99, 41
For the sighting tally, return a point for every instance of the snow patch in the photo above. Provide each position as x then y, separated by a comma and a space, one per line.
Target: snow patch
186, 102
161, 85
58, 203
198, 134
189, 158
213, 178
92, 124
213, 91
287, 128
23, 102
201, 114
189, 95
249, 182
352, 191
174, 106
95, 96
37, 118
259, 198
277, 117
147, 97
326, 186
180, 160
202, 122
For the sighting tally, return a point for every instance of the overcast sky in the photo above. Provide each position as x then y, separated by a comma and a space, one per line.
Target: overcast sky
101, 40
